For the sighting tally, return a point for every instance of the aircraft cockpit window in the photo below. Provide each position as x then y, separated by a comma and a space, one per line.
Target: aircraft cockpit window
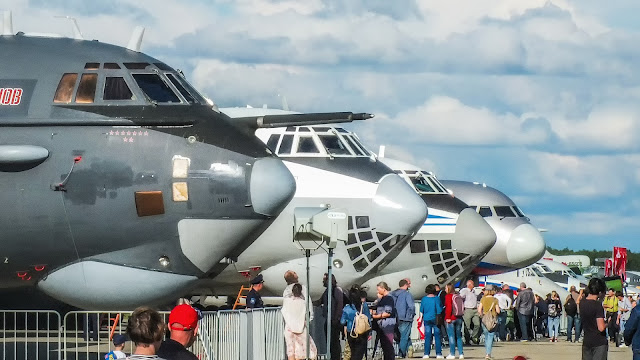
306, 145
354, 145
272, 143
116, 88
364, 149
422, 185
136, 66
92, 66
518, 211
538, 272
285, 145
504, 211
485, 211
304, 129
181, 88
341, 130
436, 183
156, 89
64, 92
87, 89
322, 129
111, 66
334, 145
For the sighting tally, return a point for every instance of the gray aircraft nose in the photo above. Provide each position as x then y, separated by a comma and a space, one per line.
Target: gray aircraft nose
525, 245
473, 235
271, 186
397, 207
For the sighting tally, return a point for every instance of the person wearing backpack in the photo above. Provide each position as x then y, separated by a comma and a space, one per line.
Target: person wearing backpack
405, 311
571, 310
430, 308
356, 317
453, 312
488, 310
554, 312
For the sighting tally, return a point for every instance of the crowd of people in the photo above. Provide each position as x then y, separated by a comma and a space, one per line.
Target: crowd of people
595, 316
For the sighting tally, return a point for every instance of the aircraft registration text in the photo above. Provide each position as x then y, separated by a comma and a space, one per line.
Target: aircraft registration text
10, 96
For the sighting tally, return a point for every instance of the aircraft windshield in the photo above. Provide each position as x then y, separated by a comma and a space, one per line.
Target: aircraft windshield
156, 89
538, 272
422, 184
334, 145
504, 211
518, 211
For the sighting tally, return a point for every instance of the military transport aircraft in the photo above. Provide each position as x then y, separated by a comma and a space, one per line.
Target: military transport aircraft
518, 243
332, 169
115, 173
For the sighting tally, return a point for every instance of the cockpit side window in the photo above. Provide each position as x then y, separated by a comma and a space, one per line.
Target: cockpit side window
187, 96
436, 183
64, 92
272, 143
504, 211
354, 145
87, 89
334, 145
485, 211
364, 149
156, 89
116, 88
136, 66
306, 145
285, 145
422, 185
518, 211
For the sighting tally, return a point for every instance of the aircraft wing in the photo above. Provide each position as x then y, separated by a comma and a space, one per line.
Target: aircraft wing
280, 120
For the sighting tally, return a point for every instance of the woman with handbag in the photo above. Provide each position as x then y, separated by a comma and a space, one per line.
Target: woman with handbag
430, 308
488, 310
454, 323
352, 318
295, 331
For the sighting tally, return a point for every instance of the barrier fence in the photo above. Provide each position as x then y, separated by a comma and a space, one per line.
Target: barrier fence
86, 335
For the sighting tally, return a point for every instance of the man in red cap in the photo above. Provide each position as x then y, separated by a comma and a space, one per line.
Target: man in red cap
183, 324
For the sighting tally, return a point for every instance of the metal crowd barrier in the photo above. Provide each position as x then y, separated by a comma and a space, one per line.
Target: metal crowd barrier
86, 335
30, 335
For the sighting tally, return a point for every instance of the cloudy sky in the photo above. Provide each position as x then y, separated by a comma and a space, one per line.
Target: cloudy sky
538, 98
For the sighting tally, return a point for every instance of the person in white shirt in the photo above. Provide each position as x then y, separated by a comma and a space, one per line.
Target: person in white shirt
504, 302
624, 312
292, 278
471, 314
295, 334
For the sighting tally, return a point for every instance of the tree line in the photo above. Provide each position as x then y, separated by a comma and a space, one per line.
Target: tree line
633, 259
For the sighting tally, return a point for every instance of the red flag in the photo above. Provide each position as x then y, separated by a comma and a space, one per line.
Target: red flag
620, 262
608, 267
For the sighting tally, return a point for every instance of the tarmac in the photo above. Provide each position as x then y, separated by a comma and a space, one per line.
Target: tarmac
534, 350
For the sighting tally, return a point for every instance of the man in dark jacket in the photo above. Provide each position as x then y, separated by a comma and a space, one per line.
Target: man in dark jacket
337, 304
405, 311
631, 333
524, 305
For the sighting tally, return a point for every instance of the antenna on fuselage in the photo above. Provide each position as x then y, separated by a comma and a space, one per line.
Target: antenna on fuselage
77, 34
285, 104
381, 151
136, 39
7, 24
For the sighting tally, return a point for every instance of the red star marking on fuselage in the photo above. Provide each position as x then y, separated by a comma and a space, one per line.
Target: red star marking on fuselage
117, 133
146, 133
128, 133
111, 132
126, 139
130, 139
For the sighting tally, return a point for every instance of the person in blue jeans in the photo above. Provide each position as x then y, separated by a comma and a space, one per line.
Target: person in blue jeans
488, 304
405, 311
454, 323
430, 306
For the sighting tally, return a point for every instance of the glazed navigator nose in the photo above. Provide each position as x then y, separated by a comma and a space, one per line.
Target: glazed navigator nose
271, 186
473, 235
397, 207
525, 245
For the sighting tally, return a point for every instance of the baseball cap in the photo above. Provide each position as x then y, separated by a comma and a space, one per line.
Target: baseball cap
119, 339
184, 315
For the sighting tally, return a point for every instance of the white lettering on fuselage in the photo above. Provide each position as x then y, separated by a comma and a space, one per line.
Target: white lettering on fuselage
10, 96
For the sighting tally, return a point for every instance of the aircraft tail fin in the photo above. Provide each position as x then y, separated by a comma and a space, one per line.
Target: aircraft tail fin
136, 39
273, 121
77, 34
7, 24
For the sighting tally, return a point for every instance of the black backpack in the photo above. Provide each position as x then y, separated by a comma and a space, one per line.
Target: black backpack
570, 307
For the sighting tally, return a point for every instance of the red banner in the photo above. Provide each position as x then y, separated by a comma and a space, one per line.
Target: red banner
620, 262
608, 267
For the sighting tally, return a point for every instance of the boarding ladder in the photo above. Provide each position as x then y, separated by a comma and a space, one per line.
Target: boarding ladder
242, 294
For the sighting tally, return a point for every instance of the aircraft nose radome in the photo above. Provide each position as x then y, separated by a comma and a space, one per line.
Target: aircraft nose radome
525, 245
272, 186
397, 208
473, 234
